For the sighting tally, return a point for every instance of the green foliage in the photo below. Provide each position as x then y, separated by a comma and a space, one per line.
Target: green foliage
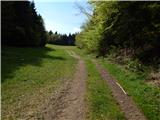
61, 39
135, 66
21, 25
128, 25
117, 55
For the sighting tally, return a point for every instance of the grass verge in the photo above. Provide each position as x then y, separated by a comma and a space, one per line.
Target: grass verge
146, 97
29, 77
101, 105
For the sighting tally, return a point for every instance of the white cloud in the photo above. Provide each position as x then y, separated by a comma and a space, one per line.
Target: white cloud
52, 25
59, 0
76, 29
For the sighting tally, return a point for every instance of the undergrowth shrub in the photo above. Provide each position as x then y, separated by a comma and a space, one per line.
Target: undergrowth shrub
118, 55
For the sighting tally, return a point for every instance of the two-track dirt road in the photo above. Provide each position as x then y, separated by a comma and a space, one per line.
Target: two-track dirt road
69, 101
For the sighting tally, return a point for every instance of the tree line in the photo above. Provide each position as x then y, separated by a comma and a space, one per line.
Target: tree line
21, 25
131, 27
61, 39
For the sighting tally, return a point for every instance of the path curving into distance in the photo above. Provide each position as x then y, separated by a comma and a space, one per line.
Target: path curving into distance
69, 102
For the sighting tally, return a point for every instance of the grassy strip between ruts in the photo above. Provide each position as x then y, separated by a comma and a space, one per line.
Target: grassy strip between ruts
29, 77
101, 105
146, 97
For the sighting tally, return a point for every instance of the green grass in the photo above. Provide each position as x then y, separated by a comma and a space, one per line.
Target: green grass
64, 47
146, 97
29, 77
101, 105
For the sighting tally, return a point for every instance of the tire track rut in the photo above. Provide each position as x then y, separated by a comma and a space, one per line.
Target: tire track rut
69, 102
126, 103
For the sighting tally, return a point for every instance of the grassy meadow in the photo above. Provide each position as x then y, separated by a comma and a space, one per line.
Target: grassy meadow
30, 76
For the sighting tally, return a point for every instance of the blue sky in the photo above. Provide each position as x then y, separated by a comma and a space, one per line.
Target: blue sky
62, 16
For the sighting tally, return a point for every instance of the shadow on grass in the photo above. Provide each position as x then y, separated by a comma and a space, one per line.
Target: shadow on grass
12, 58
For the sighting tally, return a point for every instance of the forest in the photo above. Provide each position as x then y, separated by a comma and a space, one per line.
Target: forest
128, 29
109, 70
26, 27
123, 29
21, 25
61, 39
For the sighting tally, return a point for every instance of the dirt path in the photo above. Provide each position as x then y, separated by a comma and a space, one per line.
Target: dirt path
68, 102
127, 105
